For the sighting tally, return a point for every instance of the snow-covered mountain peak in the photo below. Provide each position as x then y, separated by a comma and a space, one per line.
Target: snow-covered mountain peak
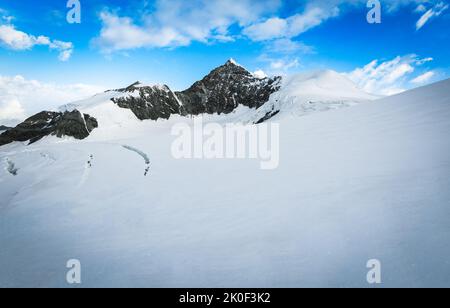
323, 85
231, 61
309, 92
139, 85
229, 68
223, 91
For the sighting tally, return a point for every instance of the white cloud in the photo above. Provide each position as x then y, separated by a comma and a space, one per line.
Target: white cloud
276, 66
5, 17
276, 28
17, 40
424, 19
420, 9
311, 18
288, 46
424, 78
281, 56
393, 6
178, 23
20, 97
14, 39
10, 109
269, 29
436, 11
424, 60
175, 23
319, 11
285, 65
398, 72
386, 78
65, 55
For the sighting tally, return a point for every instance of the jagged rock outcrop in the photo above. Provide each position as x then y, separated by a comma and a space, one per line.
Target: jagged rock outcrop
73, 124
3, 127
221, 91
225, 88
149, 102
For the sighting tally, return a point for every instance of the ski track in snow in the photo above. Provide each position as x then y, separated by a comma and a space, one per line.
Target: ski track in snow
142, 154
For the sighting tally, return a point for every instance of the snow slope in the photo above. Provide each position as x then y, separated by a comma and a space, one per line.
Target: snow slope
315, 91
360, 183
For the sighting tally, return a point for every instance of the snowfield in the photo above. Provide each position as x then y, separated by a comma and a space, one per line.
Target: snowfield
312, 92
365, 182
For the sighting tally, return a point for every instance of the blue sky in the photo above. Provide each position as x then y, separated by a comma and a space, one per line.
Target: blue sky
177, 42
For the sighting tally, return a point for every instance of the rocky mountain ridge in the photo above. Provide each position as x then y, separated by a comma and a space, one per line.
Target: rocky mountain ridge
220, 92
3, 127
46, 123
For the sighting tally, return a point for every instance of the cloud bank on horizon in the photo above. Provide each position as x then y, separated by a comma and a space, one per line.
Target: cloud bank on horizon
276, 36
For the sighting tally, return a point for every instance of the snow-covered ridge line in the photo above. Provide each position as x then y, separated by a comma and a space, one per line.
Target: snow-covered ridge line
311, 92
224, 90
298, 94
220, 92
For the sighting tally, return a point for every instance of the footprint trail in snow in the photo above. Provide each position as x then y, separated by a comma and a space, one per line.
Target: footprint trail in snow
87, 170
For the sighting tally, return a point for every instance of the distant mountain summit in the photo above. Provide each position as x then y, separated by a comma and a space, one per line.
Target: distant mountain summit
225, 88
221, 92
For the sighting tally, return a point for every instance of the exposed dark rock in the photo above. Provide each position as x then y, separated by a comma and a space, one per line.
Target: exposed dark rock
152, 103
3, 127
73, 124
221, 91
224, 89
268, 116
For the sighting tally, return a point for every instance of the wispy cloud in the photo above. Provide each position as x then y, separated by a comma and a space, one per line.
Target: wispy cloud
423, 79
14, 39
287, 46
179, 23
420, 9
293, 26
175, 23
389, 77
279, 65
436, 11
317, 12
5, 17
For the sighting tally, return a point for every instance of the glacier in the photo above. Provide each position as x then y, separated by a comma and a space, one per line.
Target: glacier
369, 181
